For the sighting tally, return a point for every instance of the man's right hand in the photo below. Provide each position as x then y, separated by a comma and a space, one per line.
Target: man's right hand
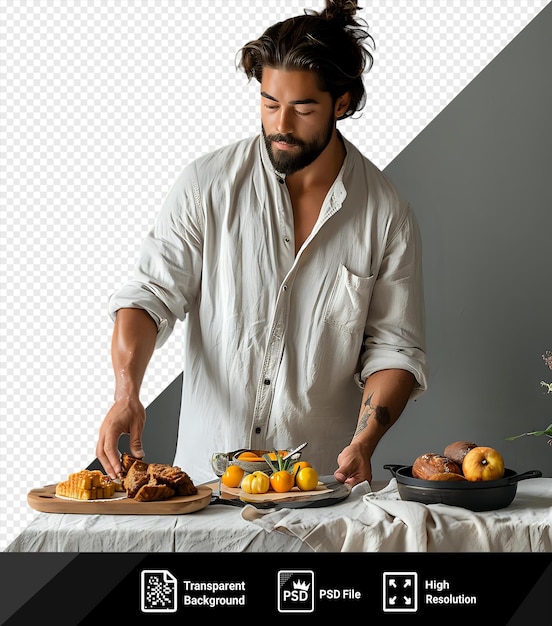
126, 416
132, 345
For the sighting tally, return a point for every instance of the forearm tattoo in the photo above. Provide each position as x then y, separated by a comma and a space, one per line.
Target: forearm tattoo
378, 412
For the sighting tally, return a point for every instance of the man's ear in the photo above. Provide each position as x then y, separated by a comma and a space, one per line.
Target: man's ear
342, 105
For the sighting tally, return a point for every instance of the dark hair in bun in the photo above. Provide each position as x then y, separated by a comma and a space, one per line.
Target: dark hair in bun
333, 43
342, 11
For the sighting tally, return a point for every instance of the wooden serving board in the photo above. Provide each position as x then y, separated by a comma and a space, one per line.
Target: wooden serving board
327, 492
44, 499
273, 496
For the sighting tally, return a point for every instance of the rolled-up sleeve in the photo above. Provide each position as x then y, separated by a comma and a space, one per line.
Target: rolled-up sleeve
395, 327
168, 273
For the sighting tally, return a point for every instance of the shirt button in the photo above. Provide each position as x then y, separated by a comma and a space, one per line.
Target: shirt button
258, 430
266, 381
284, 287
287, 239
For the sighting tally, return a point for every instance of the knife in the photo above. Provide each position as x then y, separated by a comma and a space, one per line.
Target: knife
297, 449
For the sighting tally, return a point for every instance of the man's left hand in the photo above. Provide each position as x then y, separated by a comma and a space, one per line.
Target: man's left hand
353, 466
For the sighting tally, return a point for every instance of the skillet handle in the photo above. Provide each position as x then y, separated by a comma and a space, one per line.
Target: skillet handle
393, 469
525, 476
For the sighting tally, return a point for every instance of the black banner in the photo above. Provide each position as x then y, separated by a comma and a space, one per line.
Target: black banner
168, 588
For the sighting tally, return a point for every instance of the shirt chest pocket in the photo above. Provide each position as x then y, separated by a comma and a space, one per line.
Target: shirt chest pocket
349, 301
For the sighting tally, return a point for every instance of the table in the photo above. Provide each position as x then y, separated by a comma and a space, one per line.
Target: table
369, 520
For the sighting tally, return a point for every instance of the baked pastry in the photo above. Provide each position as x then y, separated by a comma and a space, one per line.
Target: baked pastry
147, 482
86, 485
457, 450
151, 493
447, 476
136, 477
127, 462
173, 477
430, 463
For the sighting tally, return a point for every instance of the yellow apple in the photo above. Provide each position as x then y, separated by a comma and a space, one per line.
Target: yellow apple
483, 463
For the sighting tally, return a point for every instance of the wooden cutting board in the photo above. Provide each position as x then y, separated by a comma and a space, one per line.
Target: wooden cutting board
44, 499
273, 496
327, 492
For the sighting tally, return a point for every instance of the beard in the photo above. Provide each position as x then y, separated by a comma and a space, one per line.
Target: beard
290, 161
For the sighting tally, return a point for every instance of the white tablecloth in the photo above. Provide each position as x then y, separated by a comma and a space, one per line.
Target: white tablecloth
380, 521
367, 521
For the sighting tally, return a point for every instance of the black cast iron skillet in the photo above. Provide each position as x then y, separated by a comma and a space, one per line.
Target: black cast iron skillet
477, 496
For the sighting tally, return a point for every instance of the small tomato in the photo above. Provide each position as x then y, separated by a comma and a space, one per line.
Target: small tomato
257, 482
232, 476
306, 479
282, 481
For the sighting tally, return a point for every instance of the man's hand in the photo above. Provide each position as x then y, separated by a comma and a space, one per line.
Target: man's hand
126, 416
354, 465
386, 393
132, 345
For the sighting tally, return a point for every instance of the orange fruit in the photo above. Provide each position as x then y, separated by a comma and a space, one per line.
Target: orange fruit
282, 481
249, 456
232, 476
298, 465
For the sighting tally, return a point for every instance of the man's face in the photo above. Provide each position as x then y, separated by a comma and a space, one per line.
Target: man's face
298, 118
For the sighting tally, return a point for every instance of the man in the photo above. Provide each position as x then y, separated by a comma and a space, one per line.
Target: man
295, 267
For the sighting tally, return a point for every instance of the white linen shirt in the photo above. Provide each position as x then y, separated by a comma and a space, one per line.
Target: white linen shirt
277, 345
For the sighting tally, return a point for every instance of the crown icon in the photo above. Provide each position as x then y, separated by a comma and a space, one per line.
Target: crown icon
301, 585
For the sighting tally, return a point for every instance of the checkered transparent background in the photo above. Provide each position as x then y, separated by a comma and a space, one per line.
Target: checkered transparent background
102, 103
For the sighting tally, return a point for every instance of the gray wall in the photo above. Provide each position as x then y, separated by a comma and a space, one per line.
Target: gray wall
478, 178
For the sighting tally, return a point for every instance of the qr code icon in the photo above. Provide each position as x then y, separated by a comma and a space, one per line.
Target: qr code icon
158, 591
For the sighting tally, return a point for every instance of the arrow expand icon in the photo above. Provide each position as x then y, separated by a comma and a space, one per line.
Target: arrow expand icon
400, 592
